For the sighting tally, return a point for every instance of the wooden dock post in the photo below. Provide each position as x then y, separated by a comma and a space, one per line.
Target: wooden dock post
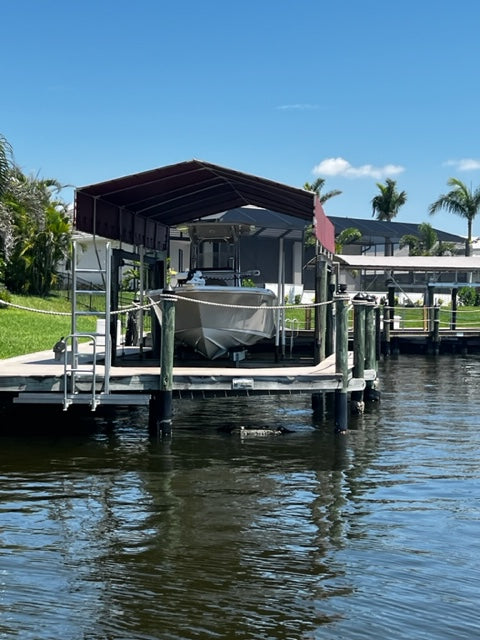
161, 403
378, 333
386, 331
357, 402
453, 320
341, 361
435, 333
320, 310
372, 330
329, 323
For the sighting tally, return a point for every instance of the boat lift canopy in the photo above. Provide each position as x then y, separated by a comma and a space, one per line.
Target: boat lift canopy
140, 208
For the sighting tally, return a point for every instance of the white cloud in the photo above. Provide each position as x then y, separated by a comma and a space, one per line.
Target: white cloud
341, 167
464, 164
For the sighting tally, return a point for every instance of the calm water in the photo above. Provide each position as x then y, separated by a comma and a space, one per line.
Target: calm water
375, 534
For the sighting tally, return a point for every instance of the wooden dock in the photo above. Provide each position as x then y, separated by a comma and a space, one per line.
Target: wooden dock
39, 378
417, 341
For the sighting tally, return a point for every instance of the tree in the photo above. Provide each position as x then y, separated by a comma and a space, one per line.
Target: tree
461, 201
42, 233
6, 223
386, 204
426, 243
347, 236
317, 187
35, 228
5, 155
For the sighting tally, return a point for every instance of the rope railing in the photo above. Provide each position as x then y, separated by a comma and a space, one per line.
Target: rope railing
175, 298
446, 316
461, 318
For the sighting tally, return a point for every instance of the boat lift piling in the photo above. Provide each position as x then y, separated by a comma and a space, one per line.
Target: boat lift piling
161, 405
359, 330
341, 361
372, 348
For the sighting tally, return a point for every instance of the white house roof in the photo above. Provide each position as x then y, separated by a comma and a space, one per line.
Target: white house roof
410, 263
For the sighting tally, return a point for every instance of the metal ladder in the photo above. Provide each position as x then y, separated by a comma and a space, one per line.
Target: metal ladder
80, 367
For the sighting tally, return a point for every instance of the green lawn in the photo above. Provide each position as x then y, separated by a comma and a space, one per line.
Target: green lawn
36, 324
409, 317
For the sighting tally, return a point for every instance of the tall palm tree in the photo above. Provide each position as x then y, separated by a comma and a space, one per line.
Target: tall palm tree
5, 154
317, 187
462, 201
6, 219
386, 204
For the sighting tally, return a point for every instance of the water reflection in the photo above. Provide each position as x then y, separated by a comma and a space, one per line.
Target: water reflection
110, 534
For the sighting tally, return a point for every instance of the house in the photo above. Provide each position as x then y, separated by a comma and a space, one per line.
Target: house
383, 237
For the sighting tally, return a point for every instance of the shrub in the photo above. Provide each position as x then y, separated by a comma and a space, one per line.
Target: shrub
6, 296
468, 297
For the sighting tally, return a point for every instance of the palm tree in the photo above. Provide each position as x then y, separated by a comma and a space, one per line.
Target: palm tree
5, 154
6, 219
347, 236
317, 187
463, 202
42, 233
387, 203
426, 243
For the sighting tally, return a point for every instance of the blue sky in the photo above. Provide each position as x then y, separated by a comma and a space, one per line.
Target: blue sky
354, 92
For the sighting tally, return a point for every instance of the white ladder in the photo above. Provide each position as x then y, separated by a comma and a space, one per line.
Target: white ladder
81, 368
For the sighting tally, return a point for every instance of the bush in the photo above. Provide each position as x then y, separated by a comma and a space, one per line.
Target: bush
468, 297
6, 296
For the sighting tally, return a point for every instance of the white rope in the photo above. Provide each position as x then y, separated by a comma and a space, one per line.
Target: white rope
18, 306
173, 298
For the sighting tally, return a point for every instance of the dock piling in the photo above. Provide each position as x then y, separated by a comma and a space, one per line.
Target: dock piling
161, 411
341, 361
359, 305
372, 332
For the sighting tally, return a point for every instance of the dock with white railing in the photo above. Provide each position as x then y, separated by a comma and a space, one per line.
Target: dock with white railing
430, 330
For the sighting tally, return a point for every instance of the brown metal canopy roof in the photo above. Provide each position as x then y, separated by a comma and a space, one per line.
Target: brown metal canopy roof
139, 208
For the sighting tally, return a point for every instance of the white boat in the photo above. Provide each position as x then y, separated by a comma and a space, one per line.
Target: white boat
214, 319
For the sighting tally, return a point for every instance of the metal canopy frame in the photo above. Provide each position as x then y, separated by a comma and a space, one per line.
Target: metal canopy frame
140, 208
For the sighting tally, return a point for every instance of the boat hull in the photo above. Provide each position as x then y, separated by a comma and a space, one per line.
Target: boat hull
213, 320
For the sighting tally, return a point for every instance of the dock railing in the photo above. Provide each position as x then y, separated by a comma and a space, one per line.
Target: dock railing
422, 318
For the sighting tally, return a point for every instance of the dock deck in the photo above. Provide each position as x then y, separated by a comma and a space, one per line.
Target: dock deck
39, 378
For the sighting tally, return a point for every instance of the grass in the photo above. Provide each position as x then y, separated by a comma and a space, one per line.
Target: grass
36, 324
410, 317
